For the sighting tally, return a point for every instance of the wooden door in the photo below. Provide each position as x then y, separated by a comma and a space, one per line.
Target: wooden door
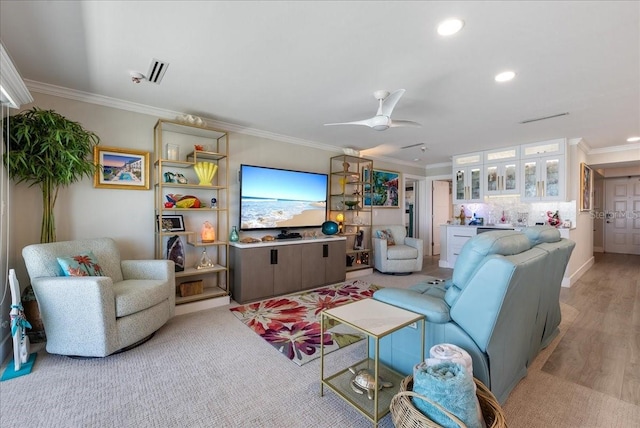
441, 205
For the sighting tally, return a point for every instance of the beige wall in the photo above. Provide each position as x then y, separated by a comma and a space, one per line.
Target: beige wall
83, 211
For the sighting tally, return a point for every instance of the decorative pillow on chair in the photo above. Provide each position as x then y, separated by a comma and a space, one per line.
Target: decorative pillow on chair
84, 264
386, 234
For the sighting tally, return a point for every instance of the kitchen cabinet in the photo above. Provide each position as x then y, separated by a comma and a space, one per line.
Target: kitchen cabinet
543, 171
501, 172
467, 178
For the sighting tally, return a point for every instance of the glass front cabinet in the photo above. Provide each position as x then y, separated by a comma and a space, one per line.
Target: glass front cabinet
467, 178
501, 172
543, 169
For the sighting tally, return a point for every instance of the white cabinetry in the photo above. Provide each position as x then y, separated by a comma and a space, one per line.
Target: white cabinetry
542, 171
467, 181
452, 242
501, 171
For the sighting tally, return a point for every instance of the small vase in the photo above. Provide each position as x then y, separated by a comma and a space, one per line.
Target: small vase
205, 172
233, 236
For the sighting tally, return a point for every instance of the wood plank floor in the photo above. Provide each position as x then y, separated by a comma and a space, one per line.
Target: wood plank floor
601, 350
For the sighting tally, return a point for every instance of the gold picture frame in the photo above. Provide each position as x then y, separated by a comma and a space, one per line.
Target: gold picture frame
586, 187
121, 168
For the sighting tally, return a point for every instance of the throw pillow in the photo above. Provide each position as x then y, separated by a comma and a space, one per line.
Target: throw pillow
386, 234
84, 264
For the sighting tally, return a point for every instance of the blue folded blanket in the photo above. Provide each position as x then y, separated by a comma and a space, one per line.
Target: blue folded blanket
449, 385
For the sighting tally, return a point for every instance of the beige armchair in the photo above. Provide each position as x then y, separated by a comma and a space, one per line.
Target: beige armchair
402, 257
122, 305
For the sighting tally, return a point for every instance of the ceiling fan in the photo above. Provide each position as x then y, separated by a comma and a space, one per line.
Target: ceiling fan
382, 120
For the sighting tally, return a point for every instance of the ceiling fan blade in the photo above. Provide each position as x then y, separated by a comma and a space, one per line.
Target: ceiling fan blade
404, 124
365, 122
390, 102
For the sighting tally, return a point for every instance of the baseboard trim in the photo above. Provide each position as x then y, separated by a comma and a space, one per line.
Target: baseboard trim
568, 281
357, 273
187, 308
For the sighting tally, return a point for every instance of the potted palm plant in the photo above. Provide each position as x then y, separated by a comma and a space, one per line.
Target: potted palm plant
46, 149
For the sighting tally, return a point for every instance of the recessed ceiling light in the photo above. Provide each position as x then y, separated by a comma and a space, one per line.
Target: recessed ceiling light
505, 76
633, 139
450, 26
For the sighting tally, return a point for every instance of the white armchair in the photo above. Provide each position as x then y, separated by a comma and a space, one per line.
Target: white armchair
95, 316
403, 257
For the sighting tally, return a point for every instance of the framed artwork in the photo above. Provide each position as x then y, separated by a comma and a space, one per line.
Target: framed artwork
171, 223
121, 168
586, 187
383, 192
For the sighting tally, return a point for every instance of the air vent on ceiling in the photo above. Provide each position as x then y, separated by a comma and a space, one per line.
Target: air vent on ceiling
157, 70
412, 145
544, 118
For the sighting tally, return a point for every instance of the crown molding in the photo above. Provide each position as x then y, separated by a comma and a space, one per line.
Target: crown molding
87, 97
14, 90
626, 147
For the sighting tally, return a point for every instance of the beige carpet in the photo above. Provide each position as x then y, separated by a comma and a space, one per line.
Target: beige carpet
208, 370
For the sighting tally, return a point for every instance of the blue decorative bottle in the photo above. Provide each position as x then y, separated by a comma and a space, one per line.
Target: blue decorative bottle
233, 236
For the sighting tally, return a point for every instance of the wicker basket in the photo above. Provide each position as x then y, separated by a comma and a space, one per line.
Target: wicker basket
405, 415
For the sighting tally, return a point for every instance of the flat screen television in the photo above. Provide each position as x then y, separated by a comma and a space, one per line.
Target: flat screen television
272, 198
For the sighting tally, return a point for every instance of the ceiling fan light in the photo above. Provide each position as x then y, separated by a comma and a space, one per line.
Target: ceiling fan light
505, 76
450, 26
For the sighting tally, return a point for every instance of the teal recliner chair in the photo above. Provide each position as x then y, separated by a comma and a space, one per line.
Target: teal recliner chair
501, 305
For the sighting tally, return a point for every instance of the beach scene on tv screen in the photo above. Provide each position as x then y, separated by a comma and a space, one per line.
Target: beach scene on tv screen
274, 198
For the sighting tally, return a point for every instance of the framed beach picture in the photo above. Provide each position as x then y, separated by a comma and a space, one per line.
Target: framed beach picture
121, 168
383, 192
586, 187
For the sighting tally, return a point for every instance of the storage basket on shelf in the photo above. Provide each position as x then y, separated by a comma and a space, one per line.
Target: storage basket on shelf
405, 415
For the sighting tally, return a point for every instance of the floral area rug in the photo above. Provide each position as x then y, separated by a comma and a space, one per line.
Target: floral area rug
291, 324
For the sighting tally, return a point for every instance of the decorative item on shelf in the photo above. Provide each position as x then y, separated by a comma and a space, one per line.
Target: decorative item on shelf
169, 177
207, 233
205, 262
214, 201
357, 244
268, 238
198, 147
181, 179
554, 219
351, 205
522, 219
345, 166
363, 381
205, 172
233, 236
173, 152
462, 217
340, 219
191, 120
343, 183
175, 252
358, 221
191, 288
183, 201
350, 260
330, 227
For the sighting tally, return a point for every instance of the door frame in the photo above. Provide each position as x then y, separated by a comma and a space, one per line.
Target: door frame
429, 199
420, 207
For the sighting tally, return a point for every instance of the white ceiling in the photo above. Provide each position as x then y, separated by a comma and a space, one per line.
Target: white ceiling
287, 68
